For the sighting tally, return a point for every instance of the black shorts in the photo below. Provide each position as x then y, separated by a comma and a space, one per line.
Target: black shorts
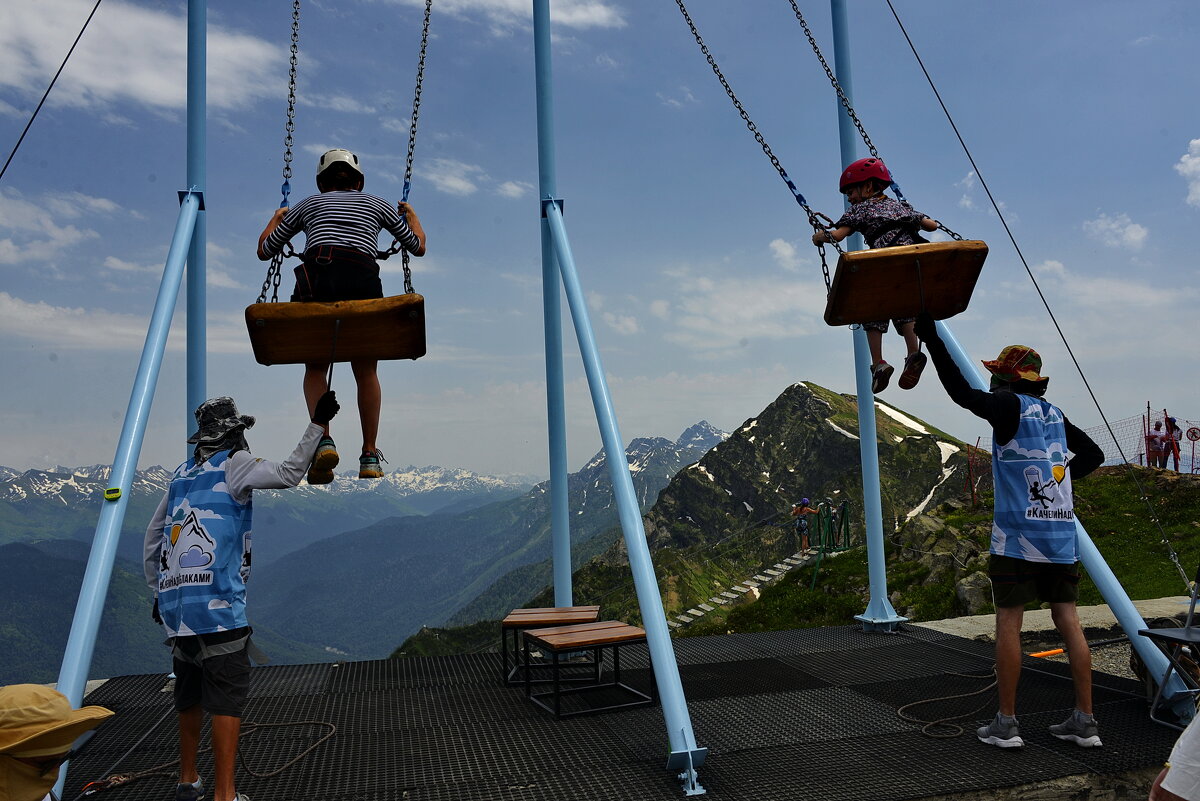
332, 273
221, 684
1016, 582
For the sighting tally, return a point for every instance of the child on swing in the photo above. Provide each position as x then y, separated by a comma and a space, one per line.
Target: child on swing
883, 222
341, 226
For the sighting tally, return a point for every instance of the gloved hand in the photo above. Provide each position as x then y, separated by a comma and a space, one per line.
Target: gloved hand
154, 612
327, 407
925, 328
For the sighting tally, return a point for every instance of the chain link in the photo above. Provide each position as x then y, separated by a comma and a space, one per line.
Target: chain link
758, 137
290, 127
412, 146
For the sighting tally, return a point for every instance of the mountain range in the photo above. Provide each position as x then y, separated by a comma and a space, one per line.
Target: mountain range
431, 514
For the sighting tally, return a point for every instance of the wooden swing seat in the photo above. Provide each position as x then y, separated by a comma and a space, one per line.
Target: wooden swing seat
902, 281
300, 333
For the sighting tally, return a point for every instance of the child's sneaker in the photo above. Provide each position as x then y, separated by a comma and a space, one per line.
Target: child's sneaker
190, 791
326, 457
913, 366
368, 465
881, 373
1002, 731
1080, 729
319, 476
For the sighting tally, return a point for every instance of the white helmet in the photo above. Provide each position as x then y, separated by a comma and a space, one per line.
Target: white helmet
338, 156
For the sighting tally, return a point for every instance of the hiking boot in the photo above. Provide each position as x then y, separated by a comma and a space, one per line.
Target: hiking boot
1079, 729
881, 373
1002, 731
319, 476
326, 457
368, 465
913, 366
193, 791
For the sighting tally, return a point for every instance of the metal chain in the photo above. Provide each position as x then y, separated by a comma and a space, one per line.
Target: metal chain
833, 80
412, 139
290, 126
762, 142
274, 273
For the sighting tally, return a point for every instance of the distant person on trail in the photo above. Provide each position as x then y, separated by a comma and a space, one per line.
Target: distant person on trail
1034, 553
884, 223
1156, 447
341, 228
196, 560
800, 513
1171, 443
38, 729
1180, 779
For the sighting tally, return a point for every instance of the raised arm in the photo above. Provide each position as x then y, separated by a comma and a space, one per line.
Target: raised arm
272, 224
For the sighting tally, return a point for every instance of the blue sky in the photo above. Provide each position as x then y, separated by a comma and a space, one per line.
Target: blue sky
704, 290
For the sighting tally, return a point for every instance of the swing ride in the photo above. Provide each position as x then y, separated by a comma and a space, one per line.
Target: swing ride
874, 284
349, 330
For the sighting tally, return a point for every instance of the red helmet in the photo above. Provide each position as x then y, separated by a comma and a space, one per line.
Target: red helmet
863, 169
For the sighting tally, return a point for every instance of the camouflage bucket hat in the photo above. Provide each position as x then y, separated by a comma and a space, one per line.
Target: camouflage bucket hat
216, 418
1017, 363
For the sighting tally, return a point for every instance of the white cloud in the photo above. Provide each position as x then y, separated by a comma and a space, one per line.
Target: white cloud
453, 177
784, 253
681, 97
128, 54
621, 323
30, 233
75, 328
514, 189
1189, 168
1117, 231
506, 14
725, 313
660, 309
967, 200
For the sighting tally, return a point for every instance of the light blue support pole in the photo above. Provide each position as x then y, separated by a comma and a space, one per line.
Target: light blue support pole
197, 142
1098, 570
879, 615
77, 659
685, 755
560, 519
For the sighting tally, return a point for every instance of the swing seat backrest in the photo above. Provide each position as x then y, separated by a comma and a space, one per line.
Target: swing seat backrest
902, 281
303, 333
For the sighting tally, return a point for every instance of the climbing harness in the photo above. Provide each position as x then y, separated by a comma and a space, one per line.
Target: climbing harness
372, 329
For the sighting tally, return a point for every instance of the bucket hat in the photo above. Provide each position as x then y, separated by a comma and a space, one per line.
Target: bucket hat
39, 721
216, 418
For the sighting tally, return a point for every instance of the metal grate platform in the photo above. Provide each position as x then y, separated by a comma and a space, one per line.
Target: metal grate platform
803, 714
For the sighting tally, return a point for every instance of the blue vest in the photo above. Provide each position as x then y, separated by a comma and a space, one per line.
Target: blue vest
1034, 516
205, 558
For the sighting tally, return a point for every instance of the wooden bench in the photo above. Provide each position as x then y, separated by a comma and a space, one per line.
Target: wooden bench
521, 619
596, 637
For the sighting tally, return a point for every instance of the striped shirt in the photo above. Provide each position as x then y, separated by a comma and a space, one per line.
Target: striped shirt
346, 218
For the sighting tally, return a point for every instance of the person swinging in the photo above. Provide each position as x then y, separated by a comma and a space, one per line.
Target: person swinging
341, 226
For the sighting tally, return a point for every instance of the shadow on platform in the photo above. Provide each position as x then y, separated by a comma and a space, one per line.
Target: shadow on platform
802, 714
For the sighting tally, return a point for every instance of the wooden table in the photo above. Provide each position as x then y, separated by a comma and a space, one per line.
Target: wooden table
596, 637
521, 619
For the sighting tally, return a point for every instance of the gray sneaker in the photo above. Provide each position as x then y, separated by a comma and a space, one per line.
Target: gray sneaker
193, 791
1079, 729
1002, 732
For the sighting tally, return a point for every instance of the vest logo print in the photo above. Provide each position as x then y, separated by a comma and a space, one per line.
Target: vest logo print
186, 553
1045, 501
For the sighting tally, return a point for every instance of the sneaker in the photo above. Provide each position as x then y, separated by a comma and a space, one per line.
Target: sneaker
913, 366
1002, 731
193, 791
368, 465
1079, 729
881, 373
326, 457
319, 476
